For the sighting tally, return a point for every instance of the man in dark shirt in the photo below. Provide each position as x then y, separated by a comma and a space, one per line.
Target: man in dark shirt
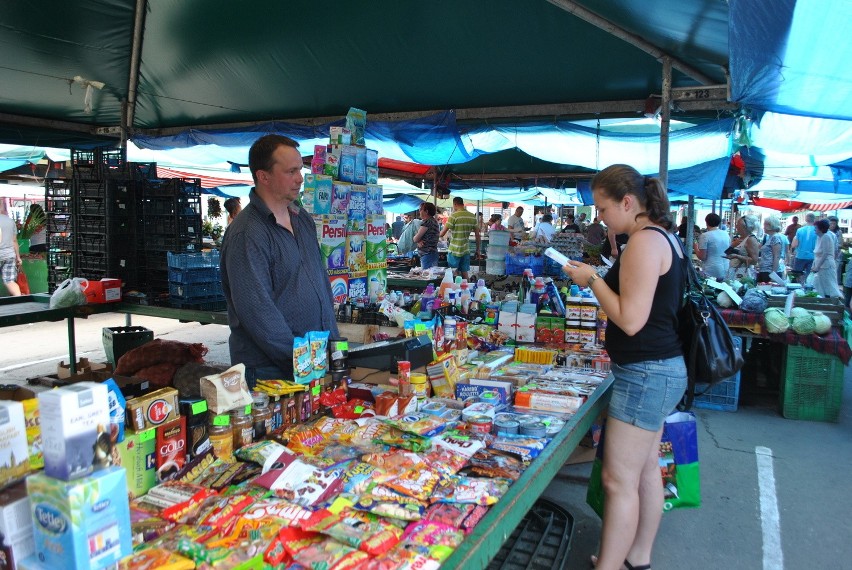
273, 275
397, 227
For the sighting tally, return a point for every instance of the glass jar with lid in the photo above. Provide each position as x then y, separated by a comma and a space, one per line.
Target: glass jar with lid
242, 427
261, 414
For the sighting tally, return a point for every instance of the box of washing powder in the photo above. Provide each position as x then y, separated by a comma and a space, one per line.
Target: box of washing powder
377, 241
357, 210
332, 240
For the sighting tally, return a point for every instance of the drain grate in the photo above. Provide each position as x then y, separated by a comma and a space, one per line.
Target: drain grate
541, 541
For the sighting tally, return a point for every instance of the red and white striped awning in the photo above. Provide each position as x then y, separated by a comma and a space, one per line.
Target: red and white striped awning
208, 180
828, 207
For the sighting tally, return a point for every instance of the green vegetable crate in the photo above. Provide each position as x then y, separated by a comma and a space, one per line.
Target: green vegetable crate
812, 387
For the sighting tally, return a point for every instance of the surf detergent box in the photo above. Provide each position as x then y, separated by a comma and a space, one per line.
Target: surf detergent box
357, 210
356, 252
82, 524
332, 239
357, 285
339, 287
322, 194
75, 430
14, 452
374, 199
377, 241
340, 197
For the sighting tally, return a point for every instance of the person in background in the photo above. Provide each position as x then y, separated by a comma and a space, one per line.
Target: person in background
595, 233
496, 222
426, 238
273, 274
641, 295
771, 256
515, 224
582, 222
824, 266
461, 223
233, 207
744, 260
545, 230
10, 255
570, 227
792, 228
711, 246
480, 222
802, 248
613, 244
833, 227
396, 227
38, 241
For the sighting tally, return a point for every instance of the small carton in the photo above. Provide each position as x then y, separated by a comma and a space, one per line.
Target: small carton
153, 409
107, 290
356, 252
525, 327
506, 324
14, 451
339, 287
75, 430
15, 520
357, 284
374, 202
332, 237
197, 439
377, 241
356, 211
82, 524
340, 197
171, 449
322, 194
31, 417
138, 455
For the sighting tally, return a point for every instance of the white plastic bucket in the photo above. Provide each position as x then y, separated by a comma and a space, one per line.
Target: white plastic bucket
495, 266
497, 251
498, 237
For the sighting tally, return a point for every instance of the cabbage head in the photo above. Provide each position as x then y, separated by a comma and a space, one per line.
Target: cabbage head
804, 324
822, 323
724, 300
799, 312
776, 321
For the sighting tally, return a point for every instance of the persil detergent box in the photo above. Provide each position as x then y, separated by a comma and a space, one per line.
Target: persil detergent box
322, 194
356, 252
332, 239
357, 210
14, 452
340, 197
339, 287
82, 524
377, 241
374, 199
75, 430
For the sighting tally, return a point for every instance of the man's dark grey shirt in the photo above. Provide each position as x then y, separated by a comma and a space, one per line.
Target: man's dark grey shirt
275, 284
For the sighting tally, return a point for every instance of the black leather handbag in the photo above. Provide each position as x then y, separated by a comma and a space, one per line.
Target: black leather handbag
709, 349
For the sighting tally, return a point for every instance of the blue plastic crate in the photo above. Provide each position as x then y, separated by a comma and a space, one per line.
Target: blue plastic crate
196, 275
552, 268
515, 264
193, 260
189, 291
723, 396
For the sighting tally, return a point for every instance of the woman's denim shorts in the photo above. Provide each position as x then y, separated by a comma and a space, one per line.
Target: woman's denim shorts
644, 393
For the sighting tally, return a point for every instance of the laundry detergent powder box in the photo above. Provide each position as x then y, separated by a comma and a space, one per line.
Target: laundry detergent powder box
340, 197
14, 453
83, 524
310, 186
357, 210
377, 282
377, 241
356, 252
322, 194
374, 199
339, 287
75, 430
357, 285
332, 239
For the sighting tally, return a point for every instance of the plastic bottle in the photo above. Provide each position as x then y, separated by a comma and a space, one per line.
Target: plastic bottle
527, 283
482, 294
449, 334
557, 307
464, 298
446, 283
537, 291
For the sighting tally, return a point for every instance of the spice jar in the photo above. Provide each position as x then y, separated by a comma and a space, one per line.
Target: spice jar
261, 415
221, 440
242, 427
420, 385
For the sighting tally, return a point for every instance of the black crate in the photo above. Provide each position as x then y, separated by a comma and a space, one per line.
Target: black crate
141, 170
91, 225
165, 243
210, 290
91, 243
90, 188
92, 263
91, 206
542, 540
58, 223
60, 242
216, 305
58, 205
57, 188
119, 340
60, 259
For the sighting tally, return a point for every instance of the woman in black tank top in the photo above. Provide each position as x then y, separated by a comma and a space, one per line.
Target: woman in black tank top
641, 295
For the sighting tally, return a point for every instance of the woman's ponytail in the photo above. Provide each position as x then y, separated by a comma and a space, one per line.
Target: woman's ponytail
619, 180
657, 203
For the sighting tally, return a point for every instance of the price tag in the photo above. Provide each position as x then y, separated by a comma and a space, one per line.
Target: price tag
199, 407
247, 410
316, 390
359, 409
147, 435
223, 420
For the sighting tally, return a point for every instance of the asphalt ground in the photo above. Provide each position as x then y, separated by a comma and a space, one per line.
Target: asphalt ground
776, 493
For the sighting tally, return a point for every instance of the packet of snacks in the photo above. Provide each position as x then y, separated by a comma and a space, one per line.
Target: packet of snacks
226, 391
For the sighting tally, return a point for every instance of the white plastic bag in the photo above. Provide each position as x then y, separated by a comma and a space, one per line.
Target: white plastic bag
810, 280
69, 293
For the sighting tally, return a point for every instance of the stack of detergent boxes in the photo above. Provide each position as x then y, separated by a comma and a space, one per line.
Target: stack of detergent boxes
79, 504
343, 194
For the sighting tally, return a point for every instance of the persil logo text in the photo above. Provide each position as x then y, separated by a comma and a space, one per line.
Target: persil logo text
333, 232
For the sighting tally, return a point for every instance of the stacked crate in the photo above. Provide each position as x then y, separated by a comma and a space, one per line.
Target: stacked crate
58, 207
104, 214
195, 282
169, 222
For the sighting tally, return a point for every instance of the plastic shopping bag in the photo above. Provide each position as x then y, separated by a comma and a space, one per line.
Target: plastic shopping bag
23, 284
679, 465
69, 293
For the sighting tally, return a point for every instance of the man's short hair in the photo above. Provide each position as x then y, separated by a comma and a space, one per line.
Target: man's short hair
547, 218
260, 153
231, 205
457, 201
795, 219
712, 220
810, 217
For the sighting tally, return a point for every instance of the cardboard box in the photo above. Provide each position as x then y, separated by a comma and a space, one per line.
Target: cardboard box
106, 290
197, 439
83, 524
524, 327
31, 417
171, 449
138, 455
75, 430
22, 547
15, 520
14, 453
153, 409
84, 365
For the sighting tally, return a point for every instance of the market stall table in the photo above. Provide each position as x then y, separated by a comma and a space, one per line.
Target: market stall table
481, 545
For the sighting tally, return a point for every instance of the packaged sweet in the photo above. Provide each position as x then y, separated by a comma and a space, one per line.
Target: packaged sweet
418, 484
319, 353
418, 423
225, 509
155, 559
260, 452
277, 511
433, 533
486, 463
525, 448
389, 504
473, 518
473, 490
357, 529
303, 368
305, 439
456, 442
226, 391
397, 461
445, 461
331, 554
452, 514
370, 430
359, 476
404, 440
300, 482
403, 558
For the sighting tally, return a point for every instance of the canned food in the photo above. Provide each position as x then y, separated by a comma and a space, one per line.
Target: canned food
533, 429
506, 427
479, 423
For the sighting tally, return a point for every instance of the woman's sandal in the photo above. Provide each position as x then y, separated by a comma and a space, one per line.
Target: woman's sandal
627, 564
